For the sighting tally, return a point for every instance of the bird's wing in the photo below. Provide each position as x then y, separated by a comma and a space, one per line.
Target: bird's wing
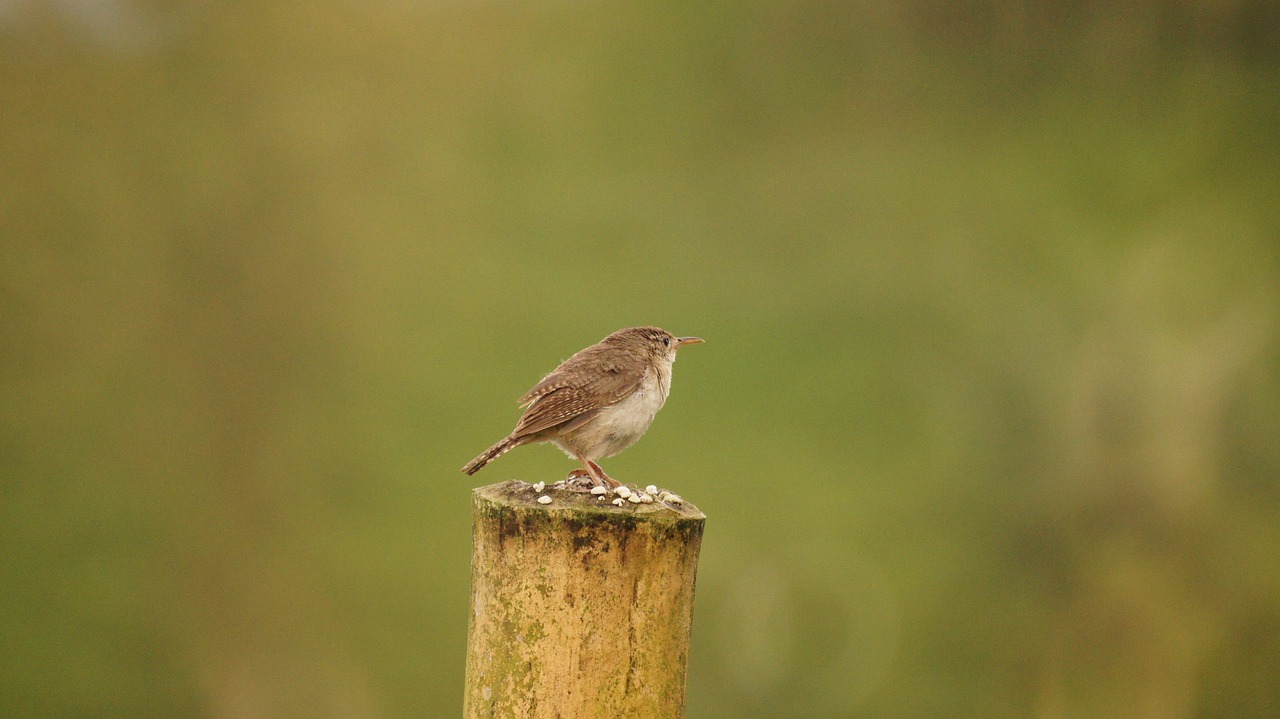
553, 408
568, 392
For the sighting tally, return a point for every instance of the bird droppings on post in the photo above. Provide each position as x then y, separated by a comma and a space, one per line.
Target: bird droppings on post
575, 491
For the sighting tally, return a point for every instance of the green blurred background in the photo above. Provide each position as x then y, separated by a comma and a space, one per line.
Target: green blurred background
987, 423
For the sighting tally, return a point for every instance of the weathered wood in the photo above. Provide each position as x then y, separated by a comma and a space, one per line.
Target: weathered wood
579, 608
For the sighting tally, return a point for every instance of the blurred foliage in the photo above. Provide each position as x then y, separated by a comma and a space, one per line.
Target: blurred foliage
986, 423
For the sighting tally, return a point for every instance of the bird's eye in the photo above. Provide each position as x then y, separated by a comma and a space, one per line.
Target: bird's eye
666, 341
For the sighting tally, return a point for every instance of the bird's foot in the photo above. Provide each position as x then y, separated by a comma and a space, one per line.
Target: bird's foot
578, 476
605, 480
598, 477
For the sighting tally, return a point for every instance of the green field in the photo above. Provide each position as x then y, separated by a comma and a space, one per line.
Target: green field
987, 423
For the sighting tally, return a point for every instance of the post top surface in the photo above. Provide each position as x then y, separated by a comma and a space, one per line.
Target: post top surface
520, 495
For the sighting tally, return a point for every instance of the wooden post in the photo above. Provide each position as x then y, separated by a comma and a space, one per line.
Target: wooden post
579, 608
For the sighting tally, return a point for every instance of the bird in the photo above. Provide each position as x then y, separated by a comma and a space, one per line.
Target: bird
598, 402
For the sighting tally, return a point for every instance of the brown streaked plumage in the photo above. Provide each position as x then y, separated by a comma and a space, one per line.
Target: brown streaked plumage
599, 401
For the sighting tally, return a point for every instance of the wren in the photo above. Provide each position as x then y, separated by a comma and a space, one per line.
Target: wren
598, 402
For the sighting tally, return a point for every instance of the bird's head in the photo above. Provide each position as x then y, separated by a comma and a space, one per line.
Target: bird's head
654, 340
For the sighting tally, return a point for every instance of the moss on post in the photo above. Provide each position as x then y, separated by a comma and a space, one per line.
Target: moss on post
579, 608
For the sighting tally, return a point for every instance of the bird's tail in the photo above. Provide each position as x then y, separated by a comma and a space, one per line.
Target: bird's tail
491, 454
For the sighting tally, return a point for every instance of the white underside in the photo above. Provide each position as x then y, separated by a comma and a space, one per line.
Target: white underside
618, 426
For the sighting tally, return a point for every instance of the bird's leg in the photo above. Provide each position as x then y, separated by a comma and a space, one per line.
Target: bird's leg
600, 470
598, 477
579, 473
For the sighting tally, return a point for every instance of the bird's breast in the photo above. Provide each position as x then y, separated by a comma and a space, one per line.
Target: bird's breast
619, 425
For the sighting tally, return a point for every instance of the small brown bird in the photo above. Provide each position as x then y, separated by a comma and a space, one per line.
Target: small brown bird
599, 401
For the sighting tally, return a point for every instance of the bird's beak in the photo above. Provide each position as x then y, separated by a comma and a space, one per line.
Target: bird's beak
688, 341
